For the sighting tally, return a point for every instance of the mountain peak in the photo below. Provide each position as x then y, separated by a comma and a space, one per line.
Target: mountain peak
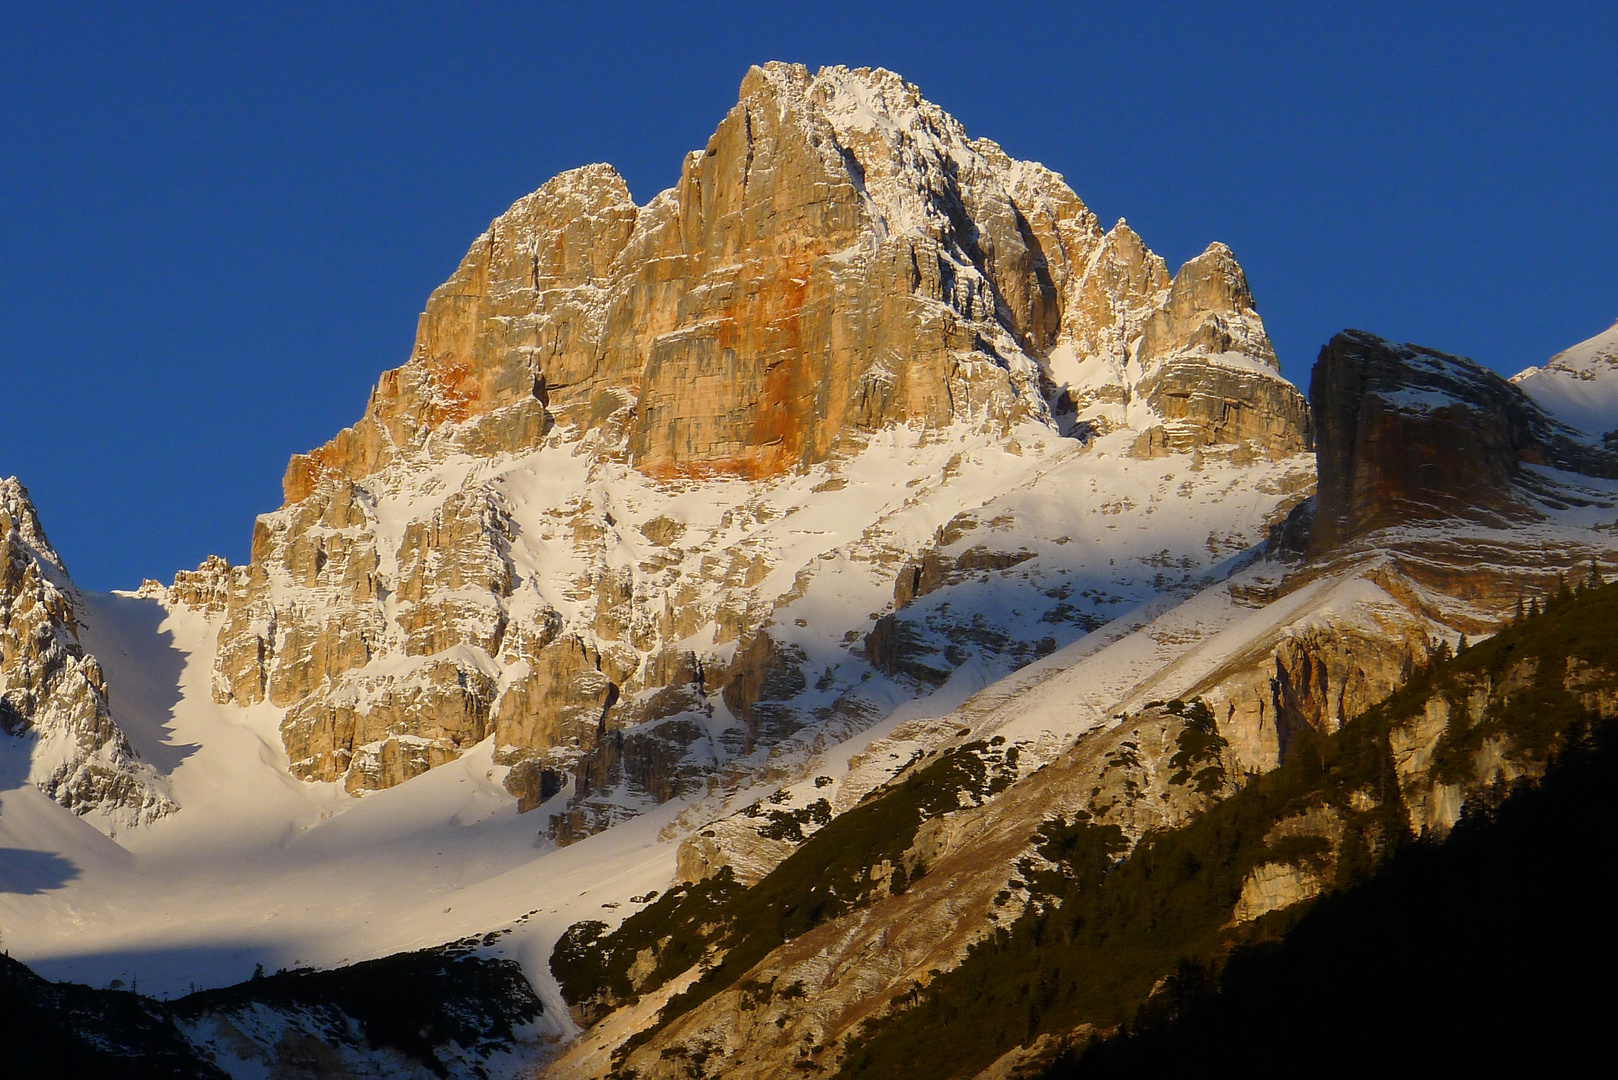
784, 298
840, 268
17, 514
1579, 385
54, 711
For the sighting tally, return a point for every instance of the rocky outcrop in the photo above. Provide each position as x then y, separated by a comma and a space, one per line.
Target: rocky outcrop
1272, 886
784, 292
1208, 370
1315, 677
54, 709
1411, 435
1185, 362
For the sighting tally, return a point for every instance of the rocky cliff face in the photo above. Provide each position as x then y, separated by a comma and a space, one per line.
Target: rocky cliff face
1186, 363
1410, 435
1450, 495
840, 257
54, 711
562, 523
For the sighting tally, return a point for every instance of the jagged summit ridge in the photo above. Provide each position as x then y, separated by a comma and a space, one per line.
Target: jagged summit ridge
840, 253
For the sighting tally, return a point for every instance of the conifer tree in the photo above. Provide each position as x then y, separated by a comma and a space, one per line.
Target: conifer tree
1563, 593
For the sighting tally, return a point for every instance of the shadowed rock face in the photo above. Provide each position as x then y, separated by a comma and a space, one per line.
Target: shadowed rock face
1407, 434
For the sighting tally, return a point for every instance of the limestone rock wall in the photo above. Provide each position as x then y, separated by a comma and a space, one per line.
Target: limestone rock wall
1318, 678
1208, 370
839, 257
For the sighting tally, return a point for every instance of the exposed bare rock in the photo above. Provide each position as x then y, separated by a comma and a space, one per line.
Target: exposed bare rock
529, 287
1209, 370
1272, 886
1035, 1060
782, 292
54, 708
1435, 794
1186, 363
321, 554
1424, 489
1119, 287
791, 289
1317, 676
377, 731
1209, 310
207, 589
1407, 434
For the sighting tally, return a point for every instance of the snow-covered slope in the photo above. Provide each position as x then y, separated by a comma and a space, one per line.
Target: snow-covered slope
316, 876
261, 868
1579, 385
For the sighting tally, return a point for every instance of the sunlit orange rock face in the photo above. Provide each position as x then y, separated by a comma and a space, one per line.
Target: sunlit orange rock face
802, 281
513, 316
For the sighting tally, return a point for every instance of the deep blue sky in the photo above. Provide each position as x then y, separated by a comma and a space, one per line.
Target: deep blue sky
220, 222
